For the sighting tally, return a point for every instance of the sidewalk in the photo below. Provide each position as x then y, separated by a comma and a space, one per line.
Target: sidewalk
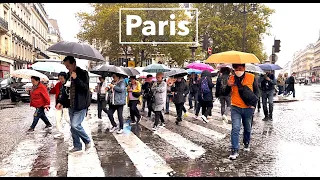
279, 99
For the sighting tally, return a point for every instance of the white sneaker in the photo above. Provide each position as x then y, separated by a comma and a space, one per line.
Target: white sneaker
120, 131
58, 136
224, 117
204, 119
154, 128
113, 129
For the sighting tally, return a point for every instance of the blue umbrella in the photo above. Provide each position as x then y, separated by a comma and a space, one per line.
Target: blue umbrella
194, 71
269, 67
155, 68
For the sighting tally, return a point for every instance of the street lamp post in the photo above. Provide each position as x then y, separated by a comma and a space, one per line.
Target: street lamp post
244, 10
193, 48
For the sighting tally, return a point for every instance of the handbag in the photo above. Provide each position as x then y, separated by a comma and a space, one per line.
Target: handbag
248, 97
136, 94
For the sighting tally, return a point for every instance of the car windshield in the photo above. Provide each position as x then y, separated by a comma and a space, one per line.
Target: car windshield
4, 82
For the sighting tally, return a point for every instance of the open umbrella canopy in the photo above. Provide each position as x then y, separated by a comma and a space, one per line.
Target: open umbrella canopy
253, 68
190, 71
28, 73
269, 67
53, 67
155, 68
130, 71
200, 66
232, 57
77, 50
108, 70
176, 72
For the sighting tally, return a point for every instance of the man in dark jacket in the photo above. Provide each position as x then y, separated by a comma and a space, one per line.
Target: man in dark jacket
39, 98
205, 95
79, 98
267, 89
290, 88
223, 91
147, 94
193, 88
180, 90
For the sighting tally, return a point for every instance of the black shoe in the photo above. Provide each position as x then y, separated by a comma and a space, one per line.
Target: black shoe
166, 113
30, 130
177, 122
265, 118
48, 126
270, 118
139, 119
258, 110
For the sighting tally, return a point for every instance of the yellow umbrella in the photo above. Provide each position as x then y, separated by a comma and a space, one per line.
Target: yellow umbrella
232, 57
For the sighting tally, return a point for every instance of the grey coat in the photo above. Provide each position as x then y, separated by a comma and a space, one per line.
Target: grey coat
160, 95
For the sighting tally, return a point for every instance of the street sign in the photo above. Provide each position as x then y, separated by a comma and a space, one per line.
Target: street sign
209, 50
131, 64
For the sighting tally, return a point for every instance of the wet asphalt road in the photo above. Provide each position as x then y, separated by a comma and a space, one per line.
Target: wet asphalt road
287, 146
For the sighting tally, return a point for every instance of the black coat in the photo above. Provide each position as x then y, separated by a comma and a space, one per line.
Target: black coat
208, 96
193, 85
82, 94
180, 90
227, 91
290, 84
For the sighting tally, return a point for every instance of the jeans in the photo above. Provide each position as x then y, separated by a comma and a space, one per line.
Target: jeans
280, 90
238, 114
101, 107
77, 131
119, 109
195, 96
134, 112
158, 115
39, 114
267, 96
144, 101
225, 101
179, 109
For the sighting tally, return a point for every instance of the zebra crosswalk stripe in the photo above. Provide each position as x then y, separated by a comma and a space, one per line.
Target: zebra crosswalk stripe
148, 162
192, 150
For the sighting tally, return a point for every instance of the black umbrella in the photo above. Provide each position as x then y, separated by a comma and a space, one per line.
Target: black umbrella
176, 72
107, 70
131, 71
77, 50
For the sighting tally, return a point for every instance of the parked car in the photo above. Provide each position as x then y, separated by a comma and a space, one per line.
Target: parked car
4, 87
17, 89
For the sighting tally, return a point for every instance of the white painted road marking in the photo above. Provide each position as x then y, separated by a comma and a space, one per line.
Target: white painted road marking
192, 150
148, 163
22, 158
86, 164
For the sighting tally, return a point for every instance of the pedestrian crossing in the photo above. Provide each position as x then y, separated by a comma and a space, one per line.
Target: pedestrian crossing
147, 160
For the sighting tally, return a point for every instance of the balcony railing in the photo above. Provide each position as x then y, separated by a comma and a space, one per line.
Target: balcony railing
3, 24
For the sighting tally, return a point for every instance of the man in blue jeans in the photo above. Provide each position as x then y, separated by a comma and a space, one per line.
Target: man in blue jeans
79, 97
240, 111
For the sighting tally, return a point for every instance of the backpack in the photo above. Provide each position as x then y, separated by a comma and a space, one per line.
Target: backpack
205, 86
224, 88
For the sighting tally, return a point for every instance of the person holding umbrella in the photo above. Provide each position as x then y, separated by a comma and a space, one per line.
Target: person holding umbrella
180, 91
40, 99
116, 100
101, 91
159, 93
134, 98
79, 97
267, 83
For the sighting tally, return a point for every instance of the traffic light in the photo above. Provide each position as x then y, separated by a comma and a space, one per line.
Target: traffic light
277, 46
205, 42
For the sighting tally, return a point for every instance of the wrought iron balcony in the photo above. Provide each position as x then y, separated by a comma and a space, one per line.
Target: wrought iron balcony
3, 25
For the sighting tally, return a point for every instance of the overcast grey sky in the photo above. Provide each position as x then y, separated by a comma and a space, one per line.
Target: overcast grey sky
295, 24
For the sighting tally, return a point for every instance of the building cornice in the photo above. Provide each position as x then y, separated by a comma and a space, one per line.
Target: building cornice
25, 8
35, 9
18, 18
